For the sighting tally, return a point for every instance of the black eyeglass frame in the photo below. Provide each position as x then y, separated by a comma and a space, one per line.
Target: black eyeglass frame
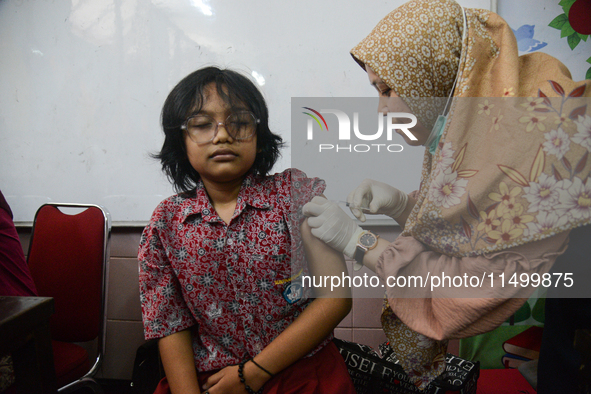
185, 127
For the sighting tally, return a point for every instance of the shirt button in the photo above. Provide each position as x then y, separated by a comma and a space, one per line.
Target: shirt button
230, 241
240, 294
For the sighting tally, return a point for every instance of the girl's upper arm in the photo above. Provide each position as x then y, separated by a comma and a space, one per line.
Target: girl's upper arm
160, 290
323, 262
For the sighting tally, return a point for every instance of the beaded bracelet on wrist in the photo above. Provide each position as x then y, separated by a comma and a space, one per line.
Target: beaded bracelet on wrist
248, 389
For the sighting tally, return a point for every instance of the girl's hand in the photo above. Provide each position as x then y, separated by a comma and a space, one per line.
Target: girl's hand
226, 381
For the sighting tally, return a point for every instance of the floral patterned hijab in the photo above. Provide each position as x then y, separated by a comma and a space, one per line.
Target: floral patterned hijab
512, 165
490, 193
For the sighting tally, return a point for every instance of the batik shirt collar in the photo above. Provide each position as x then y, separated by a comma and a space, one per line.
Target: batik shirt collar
251, 193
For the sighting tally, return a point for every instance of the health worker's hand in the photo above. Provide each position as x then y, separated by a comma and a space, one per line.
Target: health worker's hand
332, 225
381, 198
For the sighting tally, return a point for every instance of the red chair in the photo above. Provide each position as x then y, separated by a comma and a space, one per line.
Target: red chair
68, 259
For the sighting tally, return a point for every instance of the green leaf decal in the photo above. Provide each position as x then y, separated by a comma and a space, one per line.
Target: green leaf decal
538, 311
566, 4
559, 21
567, 30
523, 313
573, 40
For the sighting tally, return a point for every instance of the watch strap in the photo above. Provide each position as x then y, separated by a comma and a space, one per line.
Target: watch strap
359, 254
360, 251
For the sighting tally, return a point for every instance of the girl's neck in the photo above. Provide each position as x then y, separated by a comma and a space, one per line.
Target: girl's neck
223, 196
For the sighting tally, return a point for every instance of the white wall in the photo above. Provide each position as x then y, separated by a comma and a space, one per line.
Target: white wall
82, 84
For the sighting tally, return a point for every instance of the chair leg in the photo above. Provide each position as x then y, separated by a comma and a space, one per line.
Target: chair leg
85, 382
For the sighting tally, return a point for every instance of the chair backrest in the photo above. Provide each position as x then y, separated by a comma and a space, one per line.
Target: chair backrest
68, 259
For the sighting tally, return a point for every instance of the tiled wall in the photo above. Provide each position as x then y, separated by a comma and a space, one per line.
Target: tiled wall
124, 327
124, 316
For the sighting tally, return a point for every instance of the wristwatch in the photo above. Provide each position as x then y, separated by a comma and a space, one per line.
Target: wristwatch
367, 241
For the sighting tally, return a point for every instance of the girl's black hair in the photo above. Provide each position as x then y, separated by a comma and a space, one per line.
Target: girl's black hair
187, 98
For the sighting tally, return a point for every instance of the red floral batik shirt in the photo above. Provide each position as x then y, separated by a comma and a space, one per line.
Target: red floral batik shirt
236, 285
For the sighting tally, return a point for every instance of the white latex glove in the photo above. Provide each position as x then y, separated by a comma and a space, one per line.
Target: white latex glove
332, 225
381, 198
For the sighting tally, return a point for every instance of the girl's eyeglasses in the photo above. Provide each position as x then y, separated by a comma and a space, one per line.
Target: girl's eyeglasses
239, 125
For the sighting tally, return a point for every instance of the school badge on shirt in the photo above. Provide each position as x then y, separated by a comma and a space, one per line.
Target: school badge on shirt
293, 291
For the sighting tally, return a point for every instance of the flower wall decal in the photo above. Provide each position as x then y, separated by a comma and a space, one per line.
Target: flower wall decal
574, 23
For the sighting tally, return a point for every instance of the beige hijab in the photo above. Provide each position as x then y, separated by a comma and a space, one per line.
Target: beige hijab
511, 166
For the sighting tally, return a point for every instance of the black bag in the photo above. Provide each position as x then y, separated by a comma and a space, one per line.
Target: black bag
372, 373
147, 368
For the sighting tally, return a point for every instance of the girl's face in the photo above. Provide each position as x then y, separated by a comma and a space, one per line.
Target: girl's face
222, 160
390, 102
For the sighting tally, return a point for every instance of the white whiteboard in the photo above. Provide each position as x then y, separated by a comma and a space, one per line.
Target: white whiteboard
82, 84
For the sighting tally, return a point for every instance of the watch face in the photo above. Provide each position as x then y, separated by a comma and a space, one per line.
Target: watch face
368, 240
